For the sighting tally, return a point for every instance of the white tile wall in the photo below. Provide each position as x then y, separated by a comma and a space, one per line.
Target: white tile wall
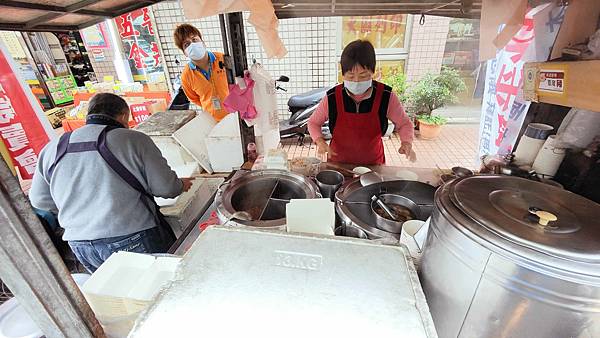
426, 46
311, 44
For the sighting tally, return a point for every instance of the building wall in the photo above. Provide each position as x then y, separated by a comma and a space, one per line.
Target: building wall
427, 46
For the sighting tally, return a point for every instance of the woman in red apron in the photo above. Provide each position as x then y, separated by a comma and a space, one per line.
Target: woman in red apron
358, 111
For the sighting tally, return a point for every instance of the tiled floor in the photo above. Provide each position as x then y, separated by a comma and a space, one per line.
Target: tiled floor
456, 146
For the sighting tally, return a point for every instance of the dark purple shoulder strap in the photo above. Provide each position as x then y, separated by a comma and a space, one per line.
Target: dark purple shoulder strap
116, 165
61, 151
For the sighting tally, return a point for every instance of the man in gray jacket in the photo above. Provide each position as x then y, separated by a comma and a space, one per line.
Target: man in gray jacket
100, 180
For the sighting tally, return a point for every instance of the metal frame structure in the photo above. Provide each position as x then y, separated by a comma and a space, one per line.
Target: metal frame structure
44, 22
66, 15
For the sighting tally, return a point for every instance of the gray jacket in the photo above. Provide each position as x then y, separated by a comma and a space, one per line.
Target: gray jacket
91, 200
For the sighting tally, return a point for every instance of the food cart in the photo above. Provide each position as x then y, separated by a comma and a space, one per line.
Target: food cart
505, 256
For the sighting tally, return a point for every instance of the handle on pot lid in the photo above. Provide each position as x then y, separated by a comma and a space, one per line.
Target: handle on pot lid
545, 217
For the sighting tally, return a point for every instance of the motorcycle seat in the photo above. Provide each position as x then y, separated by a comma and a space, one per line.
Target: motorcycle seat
307, 99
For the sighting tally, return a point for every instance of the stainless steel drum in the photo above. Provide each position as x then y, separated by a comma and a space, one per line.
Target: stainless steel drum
354, 205
261, 197
510, 257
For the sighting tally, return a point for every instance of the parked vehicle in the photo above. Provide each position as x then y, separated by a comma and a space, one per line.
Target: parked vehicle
301, 107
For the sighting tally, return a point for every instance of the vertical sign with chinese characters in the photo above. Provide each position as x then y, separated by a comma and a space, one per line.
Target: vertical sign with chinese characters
139, 41
504, 106
24, 128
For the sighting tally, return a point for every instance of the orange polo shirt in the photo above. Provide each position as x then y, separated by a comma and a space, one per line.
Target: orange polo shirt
207, 93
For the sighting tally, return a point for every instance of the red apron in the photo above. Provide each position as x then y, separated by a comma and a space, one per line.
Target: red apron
357, 137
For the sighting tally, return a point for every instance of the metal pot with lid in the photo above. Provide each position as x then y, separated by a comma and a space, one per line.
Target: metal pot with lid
356, 207
259, 198
506, 256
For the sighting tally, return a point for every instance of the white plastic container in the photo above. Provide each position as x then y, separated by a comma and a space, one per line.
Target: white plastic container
124, 286
549, 158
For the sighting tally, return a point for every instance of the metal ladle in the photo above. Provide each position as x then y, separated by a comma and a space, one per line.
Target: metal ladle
384, 206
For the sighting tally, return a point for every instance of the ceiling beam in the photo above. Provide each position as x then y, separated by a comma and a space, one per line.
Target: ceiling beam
74, 8
51, 8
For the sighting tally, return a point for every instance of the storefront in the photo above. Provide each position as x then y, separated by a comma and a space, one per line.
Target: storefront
425, 252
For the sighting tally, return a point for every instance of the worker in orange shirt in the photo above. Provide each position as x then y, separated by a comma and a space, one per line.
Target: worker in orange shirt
204, 79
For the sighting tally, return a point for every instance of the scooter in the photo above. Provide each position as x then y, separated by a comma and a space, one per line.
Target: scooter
301, 107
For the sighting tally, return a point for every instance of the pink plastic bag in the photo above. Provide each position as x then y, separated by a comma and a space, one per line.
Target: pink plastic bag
242, 100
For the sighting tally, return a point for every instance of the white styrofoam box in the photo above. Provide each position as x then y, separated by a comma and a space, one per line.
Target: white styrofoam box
188, 205
233, 279
126, 282
193, 135
315, 216
172, 151
224, 145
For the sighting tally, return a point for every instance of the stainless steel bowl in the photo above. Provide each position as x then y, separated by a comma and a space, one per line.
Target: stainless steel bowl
390, 200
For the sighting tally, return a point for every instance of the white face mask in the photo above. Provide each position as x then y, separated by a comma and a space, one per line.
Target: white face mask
358, 88
196, 51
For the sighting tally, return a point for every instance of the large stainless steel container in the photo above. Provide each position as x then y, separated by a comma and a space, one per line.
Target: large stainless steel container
242, 282
490, 269
262, 196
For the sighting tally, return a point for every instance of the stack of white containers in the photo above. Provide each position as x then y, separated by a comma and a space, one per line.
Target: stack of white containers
124, 286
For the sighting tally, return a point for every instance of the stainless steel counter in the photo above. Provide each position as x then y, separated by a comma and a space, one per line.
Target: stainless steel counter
189, 236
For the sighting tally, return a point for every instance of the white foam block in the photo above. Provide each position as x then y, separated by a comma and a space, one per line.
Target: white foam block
316, 216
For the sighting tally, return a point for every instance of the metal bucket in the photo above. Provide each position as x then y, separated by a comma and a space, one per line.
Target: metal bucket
329, 181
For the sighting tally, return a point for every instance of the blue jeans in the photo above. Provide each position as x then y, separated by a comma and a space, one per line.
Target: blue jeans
93, 253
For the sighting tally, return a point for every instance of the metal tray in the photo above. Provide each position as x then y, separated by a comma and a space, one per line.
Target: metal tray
241, 282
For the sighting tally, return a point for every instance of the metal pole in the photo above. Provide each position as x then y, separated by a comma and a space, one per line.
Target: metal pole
234, 23
34, 271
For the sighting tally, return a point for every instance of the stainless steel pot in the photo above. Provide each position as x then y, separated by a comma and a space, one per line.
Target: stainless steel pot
354, 205
491, 269
263, 195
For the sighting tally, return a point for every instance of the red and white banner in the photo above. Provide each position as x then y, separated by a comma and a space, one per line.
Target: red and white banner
504, 107
24, 128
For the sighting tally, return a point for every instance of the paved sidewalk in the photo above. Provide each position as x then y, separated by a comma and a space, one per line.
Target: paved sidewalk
456, 146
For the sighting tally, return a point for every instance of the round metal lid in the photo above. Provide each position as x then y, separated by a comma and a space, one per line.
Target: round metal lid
517, 209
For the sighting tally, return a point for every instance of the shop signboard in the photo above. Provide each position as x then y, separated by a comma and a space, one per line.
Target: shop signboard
504, 105
140, 45
24, 128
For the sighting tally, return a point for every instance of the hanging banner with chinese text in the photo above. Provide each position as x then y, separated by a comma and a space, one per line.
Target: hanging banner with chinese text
504, 106
139, 42
24, 128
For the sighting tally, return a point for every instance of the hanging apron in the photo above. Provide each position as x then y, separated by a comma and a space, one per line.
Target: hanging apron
64, 147
357, 136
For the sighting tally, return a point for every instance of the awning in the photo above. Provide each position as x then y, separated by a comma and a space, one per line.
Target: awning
66, 15
62, 15
309, 8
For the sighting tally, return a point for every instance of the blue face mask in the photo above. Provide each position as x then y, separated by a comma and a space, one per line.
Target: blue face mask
196, 51
358, 88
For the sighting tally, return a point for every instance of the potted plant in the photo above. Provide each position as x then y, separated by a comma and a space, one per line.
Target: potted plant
430, 126
431, 92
